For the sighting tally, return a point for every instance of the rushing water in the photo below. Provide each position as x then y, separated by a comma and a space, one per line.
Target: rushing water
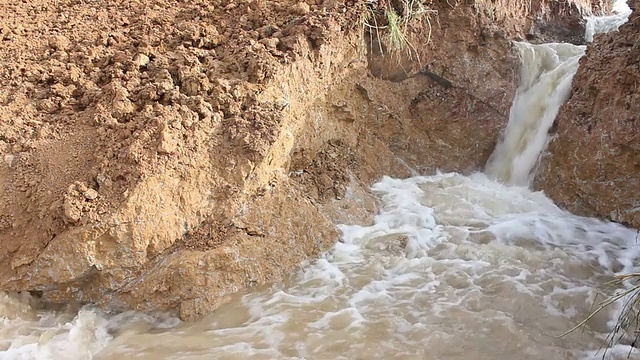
545, 84
454, 267
604, 24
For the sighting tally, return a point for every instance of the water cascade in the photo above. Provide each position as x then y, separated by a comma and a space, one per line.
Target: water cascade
547, 71
545, 84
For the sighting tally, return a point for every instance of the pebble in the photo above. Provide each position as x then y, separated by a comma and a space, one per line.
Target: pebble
270, 43
72, 213
141, 60
103, 180
90, 194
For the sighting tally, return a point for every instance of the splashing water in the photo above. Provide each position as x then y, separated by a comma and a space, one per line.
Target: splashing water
29, 333
454, 267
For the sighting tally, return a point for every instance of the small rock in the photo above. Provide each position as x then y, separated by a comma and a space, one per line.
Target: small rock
330, 4
164, 81
90, 194
167, 143
267, 31
103, 181
119, 57
10, 160
121, 105
301, 8
191, 86
79, 186
141, 60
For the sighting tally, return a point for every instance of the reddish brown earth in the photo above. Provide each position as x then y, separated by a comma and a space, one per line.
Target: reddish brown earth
593, 165
162, 155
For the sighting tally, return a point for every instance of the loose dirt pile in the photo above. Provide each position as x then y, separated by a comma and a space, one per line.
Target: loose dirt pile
165, 154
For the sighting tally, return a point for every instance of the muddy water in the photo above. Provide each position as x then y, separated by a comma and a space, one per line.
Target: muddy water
454, 267
545, 84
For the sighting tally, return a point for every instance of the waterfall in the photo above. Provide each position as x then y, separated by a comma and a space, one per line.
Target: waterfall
605, 24
545, 84
547, 71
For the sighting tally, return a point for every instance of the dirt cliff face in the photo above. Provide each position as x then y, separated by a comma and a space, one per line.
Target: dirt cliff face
592, 166
163, 155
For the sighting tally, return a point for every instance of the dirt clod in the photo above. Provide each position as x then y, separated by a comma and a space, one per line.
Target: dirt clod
302, 8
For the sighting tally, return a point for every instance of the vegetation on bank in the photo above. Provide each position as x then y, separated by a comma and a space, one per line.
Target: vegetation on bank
386, 25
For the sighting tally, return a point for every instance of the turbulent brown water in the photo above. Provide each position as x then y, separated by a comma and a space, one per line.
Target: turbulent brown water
454, 267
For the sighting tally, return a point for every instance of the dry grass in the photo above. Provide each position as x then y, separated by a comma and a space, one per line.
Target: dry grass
627, 291
485, 7
394, 35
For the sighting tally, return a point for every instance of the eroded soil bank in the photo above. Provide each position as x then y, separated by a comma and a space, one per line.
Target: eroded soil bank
161, 155
592, 166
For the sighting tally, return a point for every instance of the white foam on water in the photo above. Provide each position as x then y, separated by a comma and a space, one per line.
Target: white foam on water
604, 24
453, 267
29, 333
48, 335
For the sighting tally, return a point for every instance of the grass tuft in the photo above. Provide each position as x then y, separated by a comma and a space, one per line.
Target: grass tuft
393, 26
